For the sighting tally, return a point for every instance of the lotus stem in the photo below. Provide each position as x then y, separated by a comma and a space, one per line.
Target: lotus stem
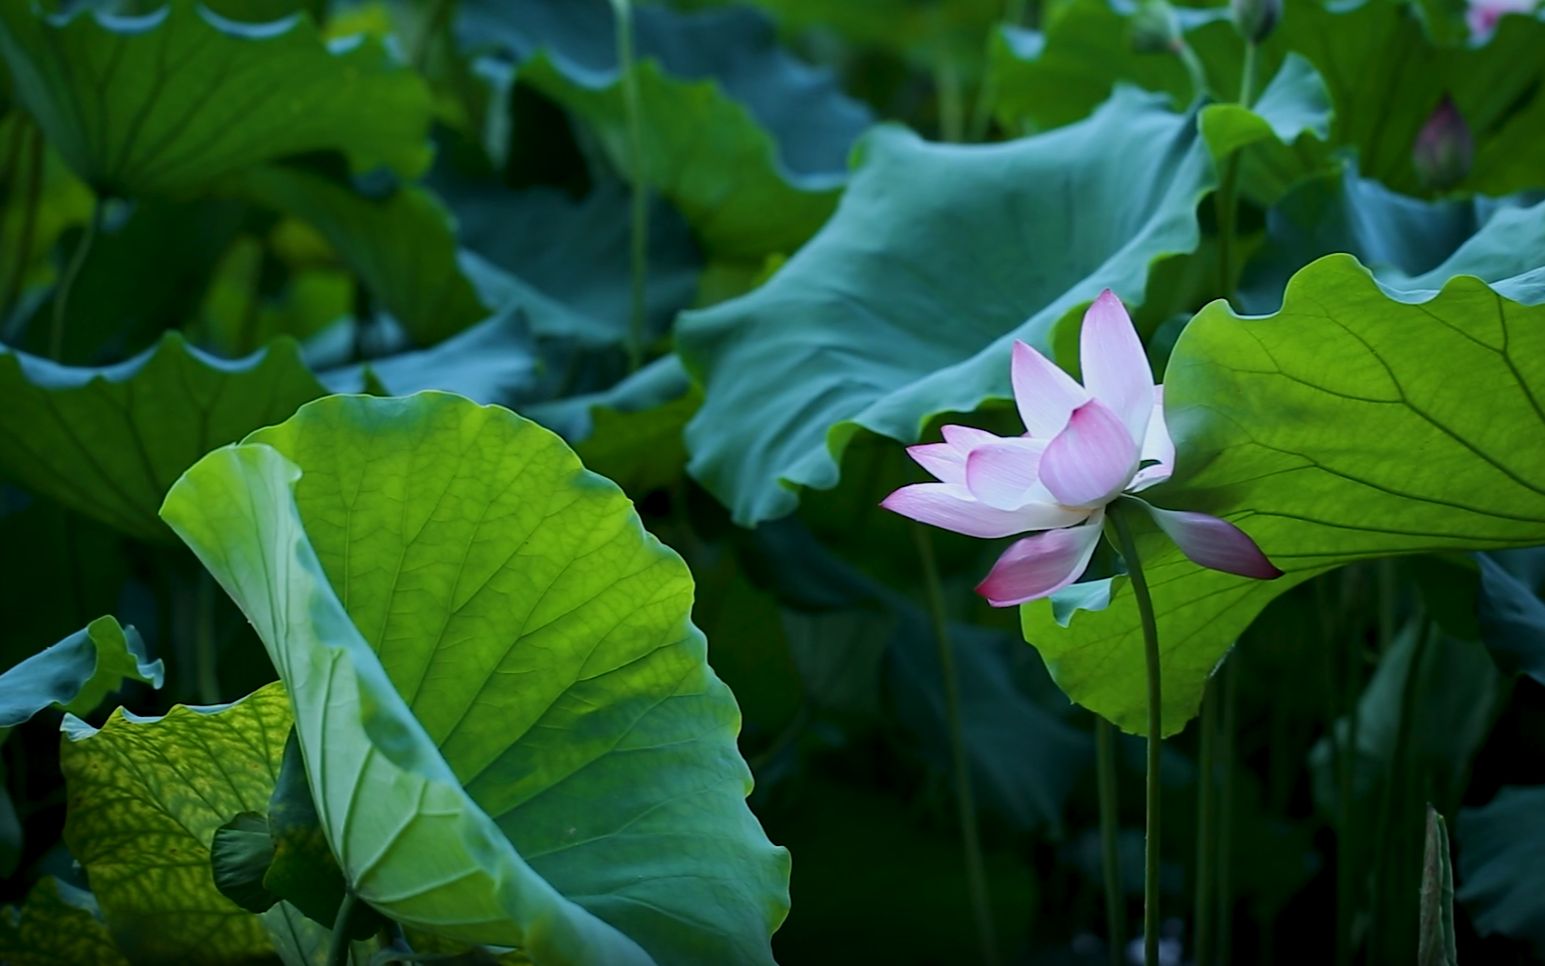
1229, 679
71, 273
338, 945
638, 231
976, 876
1206, 829
23, 132
1228, 188
952, 120
1110, 854
1155, 733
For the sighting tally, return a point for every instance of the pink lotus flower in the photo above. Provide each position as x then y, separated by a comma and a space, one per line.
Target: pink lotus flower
1482, 15
1085, 446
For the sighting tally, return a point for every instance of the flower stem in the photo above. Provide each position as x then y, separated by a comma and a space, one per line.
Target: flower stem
976, 877
638, 241
16, 164
1110, 853
1206, 830
952, 111
1155, 733
1228, 188
71, 273
1225, 886
338, 946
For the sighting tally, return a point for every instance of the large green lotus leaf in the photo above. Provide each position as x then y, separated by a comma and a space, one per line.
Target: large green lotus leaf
1511, 609
1043, 80
145, 796
166, 102
1384, 73
57, 924
150, 264
927, 33
906, 302
110, 442
1280, 138
749, 143
1502, 865
1417, 439
1386, 76
77, 673
492, 362
1409, 243
1057, 75
568, 260
506, 715
402, 246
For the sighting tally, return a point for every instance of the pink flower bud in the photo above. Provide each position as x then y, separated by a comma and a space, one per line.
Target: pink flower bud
1444, 149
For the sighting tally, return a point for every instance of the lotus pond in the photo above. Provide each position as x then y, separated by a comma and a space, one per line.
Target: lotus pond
595, 482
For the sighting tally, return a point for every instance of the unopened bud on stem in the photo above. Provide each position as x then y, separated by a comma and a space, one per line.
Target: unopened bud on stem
1444, 148
1155, 28
1255, 19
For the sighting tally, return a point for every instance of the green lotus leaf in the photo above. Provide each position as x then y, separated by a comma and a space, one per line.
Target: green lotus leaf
402, 246
1046, 78
777, 131
1386, 76
168, 101
1410, 244
1384, 72
1280, 138
145, 797
240, 852
1511, 610
568, 261
78, 673
924, 33
110, 442
57, 924
876, 324
507, 720
1386, 452
1502, 865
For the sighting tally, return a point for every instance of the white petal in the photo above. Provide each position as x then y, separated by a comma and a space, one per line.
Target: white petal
1003, 474
1046, 396
1158, 448
1116, 370
1092, 460
952, 507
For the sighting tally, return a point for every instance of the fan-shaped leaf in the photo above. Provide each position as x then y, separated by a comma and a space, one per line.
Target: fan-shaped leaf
402, 246
168, 101
109, 442
145, 798
748, 142
905, 304
57, 924
76, 674
1502, 865
479, 633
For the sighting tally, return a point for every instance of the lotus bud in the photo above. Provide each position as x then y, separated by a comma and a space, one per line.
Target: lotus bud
1255, 19
1444, 148
1155, 28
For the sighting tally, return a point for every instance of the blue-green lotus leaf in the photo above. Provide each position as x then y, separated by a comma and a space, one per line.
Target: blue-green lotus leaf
508, 723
